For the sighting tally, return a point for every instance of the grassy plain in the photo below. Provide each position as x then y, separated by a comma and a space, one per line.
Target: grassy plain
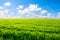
29, 29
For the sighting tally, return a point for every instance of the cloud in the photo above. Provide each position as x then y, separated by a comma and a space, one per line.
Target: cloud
5, 13
32, 11
7, 4
30, 8
1, 7
58, 14
49, 14
20, 7
33, 7
44, 12
1, 13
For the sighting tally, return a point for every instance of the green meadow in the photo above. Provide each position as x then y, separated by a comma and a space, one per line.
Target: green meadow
29, 29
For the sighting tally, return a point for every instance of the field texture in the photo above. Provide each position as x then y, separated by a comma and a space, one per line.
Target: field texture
29, 29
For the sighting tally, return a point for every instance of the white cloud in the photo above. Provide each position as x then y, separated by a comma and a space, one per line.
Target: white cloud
20, 12
4, 13
49, 15
58, 15
20, 7
7, 4
1, 13
1, 7
32, 11
43, 12
33, 7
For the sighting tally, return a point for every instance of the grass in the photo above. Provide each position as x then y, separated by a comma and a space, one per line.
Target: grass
29, 29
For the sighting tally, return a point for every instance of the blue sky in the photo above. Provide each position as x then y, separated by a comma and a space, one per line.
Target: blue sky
30, 8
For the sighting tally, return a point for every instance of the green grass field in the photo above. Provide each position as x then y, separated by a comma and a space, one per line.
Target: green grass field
29, 29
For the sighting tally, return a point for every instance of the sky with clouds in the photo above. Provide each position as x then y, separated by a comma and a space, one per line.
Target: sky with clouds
29, 8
